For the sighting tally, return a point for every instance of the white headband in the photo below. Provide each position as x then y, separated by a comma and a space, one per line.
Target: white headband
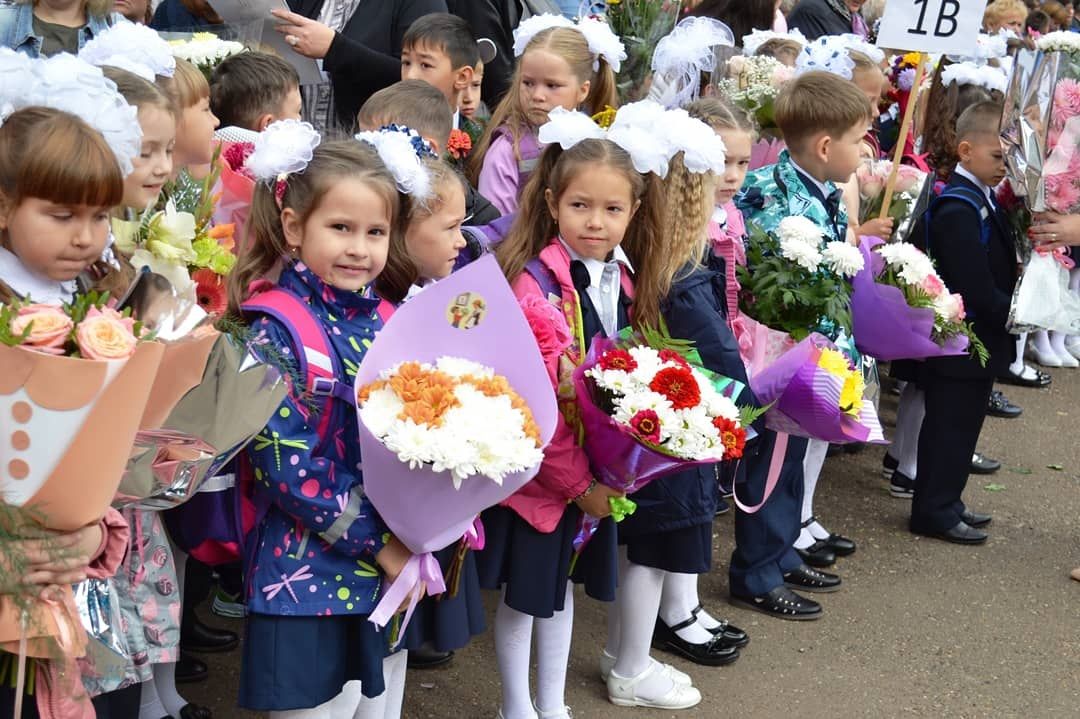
603, 43
683, 55
131, 47
752, 43
970, 73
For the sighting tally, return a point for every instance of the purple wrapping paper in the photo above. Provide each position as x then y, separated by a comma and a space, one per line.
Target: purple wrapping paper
806, 398
883, 323
420, 507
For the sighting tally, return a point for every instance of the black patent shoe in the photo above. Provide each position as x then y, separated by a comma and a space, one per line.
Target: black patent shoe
195, 711
841, 545
728, 632
713, 653
974, 519
811, 580
961, 533
984, 465
818, 554
781, 603
1000, 406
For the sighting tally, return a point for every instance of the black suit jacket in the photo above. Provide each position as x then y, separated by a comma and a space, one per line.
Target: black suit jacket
815, 18
985, 276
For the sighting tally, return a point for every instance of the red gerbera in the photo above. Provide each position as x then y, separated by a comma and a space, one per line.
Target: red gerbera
210, 291
732, 436
646, 424
618, 359
673, 356
678, 385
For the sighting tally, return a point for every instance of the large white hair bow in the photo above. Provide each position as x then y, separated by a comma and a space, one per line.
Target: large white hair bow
131, 47
602, 41
971, 73
399, 151
703, 149
689, 50
827, 54
283, 148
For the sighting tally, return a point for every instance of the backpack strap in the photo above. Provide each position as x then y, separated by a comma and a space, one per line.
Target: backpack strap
970, 197
385, 310
545, 277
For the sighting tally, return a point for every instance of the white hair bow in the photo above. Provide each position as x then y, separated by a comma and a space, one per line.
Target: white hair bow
602, 41
131, 47
688, 51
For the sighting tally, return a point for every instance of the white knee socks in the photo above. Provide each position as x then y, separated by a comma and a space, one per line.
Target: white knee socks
1018, 367
553, 656
638, 600
816, 450
513, 647
909, 419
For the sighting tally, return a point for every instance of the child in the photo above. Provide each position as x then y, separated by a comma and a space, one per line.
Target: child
58, 180
824, 119
471, 106
195, 121
978, 261
416, 104
250, 90
441, 50
556, 68
577, 209
326, 229
157, 118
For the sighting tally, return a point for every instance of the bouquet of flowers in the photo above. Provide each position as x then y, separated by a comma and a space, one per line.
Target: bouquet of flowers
794, 281
458, 148
753, 83
873, 176
236, 187
901, 309
205, 50
640, 24
454, 425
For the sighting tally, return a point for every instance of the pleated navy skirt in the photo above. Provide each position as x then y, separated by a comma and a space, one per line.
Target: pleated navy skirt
687, 550
303, 662
447, 623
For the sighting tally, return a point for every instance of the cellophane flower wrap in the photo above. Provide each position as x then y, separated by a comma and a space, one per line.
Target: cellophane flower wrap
640, 24
470, 317
873, 177
74, 381
235, 188
901, 308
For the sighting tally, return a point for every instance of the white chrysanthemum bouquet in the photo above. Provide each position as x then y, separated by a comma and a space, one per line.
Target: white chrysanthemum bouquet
205, 50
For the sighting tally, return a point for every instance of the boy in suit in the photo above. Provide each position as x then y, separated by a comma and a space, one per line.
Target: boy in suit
975, 252
824, 119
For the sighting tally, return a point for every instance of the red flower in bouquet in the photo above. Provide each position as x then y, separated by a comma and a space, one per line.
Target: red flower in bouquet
210, 291
617, 360
235, 156
460, 144
678, 385
732, 436
673, 356
646, 424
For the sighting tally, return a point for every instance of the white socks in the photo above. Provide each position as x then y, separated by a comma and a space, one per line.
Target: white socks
388, 704
513, 645
909, 418
150, 706
677, 603
816, 450
340, 707
1018, 367
165, 683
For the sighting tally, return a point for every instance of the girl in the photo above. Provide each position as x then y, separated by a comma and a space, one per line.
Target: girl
49, 28
576, 211
556, 68
319, 552
195, 123
668, 539
58, 181
157, 118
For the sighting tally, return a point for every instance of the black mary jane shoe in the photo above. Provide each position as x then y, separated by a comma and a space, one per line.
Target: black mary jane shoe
811, 580
729, 633
839, 545
713, 653
1000, 406
781, 603
1041, 379
818, 554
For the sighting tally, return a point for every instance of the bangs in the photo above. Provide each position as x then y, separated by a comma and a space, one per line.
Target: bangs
72, 170
187, 86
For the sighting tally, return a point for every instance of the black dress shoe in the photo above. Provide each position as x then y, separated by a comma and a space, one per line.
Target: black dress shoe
1000, 406
1041, 379
818, 554
729, 633
190, 670
811, 580
713, 653
202, 639
838, 545
974, 519
428, 658
781, 603
194, 711
841, 545
984, 465
888, 465
962, 533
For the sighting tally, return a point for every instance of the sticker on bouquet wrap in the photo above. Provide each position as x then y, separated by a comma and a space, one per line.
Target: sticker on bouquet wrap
466, 311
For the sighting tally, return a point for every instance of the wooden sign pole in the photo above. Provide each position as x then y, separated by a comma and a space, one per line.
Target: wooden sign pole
905, 127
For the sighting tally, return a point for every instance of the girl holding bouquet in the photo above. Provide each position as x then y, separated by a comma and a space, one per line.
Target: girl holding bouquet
560, 64
579, 207
321, 222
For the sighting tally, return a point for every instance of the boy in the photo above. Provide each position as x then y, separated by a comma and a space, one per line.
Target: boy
251, 90
416, 104
823, 118
441, 50
975, 252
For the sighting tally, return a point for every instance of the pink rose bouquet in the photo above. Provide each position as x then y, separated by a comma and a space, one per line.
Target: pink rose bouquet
873, 176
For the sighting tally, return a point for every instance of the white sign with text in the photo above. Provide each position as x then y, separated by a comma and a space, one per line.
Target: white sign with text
934, 26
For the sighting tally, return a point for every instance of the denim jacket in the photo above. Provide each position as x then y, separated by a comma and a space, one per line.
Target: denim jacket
17, 28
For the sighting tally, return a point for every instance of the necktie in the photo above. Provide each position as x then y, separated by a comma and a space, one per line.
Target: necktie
580, 275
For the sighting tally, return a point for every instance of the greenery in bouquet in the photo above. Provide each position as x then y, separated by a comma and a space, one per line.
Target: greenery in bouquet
796, 282
88, 328
753, 83
640, 24
873, 176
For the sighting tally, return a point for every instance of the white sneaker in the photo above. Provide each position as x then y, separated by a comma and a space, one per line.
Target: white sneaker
563, 713
607, 663
623, 692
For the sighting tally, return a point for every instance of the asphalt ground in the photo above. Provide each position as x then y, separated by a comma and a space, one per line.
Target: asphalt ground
921, 628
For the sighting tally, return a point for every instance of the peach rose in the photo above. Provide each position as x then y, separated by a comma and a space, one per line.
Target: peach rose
933, 286
49, 328
105, 334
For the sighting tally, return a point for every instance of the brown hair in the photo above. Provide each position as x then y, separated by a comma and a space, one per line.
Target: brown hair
248, 85
982, 118
414, 103
721, 114
819, 102
187, 86
570, 45
534, 226
944, 105
94, 8
1057, 13
330, 163
140, 93
778, 46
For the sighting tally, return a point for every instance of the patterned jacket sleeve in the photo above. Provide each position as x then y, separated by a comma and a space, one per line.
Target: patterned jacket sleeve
320, 492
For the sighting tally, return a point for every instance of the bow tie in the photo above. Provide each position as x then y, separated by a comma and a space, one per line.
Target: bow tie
832, 203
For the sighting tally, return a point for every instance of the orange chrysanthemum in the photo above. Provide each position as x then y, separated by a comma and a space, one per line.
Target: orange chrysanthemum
365, 392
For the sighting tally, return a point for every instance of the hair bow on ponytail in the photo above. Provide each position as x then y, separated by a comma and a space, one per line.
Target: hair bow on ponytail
402, 150
285, 147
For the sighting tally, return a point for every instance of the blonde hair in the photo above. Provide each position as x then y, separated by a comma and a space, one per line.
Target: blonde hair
187, 86
330, 163
570, 45
720, 114
1000, 10
140, 93
779, 46
817, 102
534, 227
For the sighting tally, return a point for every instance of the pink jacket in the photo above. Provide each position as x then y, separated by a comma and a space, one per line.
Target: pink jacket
565, 472
728, 244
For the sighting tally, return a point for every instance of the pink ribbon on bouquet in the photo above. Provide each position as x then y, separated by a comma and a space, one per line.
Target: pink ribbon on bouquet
776, 464
474, 537
420, 569
1059, 255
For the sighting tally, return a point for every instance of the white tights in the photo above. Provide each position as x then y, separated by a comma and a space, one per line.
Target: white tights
909, 418
513, 650
816, 451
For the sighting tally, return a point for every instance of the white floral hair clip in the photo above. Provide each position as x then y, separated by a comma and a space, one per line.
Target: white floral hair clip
602, 41
402, 155
131, 47
826, 55
681, 57
285, 147
64, 82
752, 43
970, 73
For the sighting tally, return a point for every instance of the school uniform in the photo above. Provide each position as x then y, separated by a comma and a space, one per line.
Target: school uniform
975, 253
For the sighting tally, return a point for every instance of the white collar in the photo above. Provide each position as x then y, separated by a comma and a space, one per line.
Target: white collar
596, 267
27, 284
457, 120
963, 172
719, 215
804, 175
415, 289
